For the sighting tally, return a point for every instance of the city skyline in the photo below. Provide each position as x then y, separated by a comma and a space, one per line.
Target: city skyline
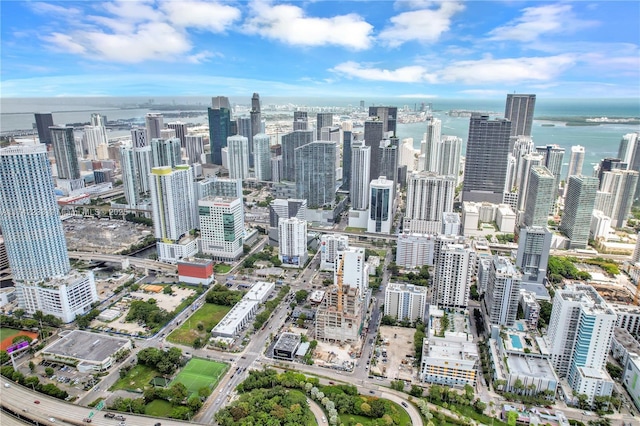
405, 48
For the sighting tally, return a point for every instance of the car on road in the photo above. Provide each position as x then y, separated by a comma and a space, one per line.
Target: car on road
331, 383
86, 420
121, 418
109, 415
36, 402
404, 404
372, 392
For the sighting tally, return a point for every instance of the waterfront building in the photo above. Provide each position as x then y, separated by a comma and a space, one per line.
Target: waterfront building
519, 110
576, 161
154, 125
44, 121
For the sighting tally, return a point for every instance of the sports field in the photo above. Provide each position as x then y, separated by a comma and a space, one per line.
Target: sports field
8, 334
199, 373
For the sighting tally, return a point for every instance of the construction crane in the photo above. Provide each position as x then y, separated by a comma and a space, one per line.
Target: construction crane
339, 276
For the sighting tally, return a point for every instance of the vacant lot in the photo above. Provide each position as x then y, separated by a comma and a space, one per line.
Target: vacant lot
199, 373
136, 379
158, 408
397, 344
209, 315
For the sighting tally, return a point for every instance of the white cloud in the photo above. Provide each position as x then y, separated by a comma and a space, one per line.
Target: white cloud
510, 70
410, 74
288, 24
426, 25
482, 92
215, 17
537, 21
65, 43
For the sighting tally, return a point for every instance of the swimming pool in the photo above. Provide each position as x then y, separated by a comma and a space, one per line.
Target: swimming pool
519, 326
515, 341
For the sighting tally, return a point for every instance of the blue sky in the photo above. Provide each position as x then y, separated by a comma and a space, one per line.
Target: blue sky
412, 48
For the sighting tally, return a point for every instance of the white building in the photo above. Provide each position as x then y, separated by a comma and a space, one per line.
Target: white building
628, 317
415, 250
292, 250
405, 302
360, 177
454, 268
91, 138
450, 361
600, 225
262, 156
630, 380
194, 147
429, 196
451, 223
136, 169
380, 217
355, 271
505, 218
243, 312
503, 292
238, 157
330, 244
221, 227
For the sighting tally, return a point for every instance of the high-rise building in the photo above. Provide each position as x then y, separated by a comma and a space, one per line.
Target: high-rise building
578, 207
300, 120
103, 175
220, 127
503, 292
166, 152
449, 158
415, 250
635, 257
330, 244
290, 142
238, 147
34, 237
486, 159
262, 156
136, 168
256, 124
360, 178
172, 201
522, 146
276, 168
194, 147
355, 271
323, 119
43, 122
346, 160
65, 152
181, 131
215, 186
98, 120
528, 162
381, 199
292, 250
285, 209
408, 155
139, 137
387, 115
93, 136
627, 150
373, 134
579, 338
576, 161
519, 110
315, 173
621, 185
429, 147
553, 155
534, 244
429, 196
454, 268
540, 195
405, 302
221, 227
389, 159
154, 125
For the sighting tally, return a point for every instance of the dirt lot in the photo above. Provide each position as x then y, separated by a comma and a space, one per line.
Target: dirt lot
103, 236
397, 344
334, 356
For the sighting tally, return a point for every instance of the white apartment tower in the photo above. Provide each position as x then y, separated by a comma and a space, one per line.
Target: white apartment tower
454, 268
92, 137
221, 227
292, 242
405, 302
541, 193
238, 151
330, 244
429, 146
166, 152
136, 169
503, 292
194, 147
355, 271
576, 161
415, 250
262, 156
429, 196
360, 163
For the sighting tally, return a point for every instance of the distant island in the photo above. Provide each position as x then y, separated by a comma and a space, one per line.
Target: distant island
591, 121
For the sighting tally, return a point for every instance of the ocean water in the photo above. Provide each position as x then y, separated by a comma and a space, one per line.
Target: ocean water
599, 141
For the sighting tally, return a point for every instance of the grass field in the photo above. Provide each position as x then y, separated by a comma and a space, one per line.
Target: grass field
222, 268
200, 373
137, 378
158, 408
7, 332
405, 420
209, 315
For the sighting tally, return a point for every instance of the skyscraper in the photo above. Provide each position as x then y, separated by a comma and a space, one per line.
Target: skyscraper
578, 208
136, 168
154, 125
238, 147
553, 155
330, 244
300, 120
454, 269
98, 120
428, 196
256, 125
323, 119
181, 131
291, 141
43, 122
315, 173
194, 146
534, 244
519, 110
92, 137
449, 158
528, 162
346, 160
503, 292
166, 152
355, 271
576, 161
429, 147
139, 137
292, 242
65, 153
389, 159
540, 196
387, 115
221, 227
381, 198
627, 150
373, 134
220, 127
620, 187
262, 156
486, 159
360, 178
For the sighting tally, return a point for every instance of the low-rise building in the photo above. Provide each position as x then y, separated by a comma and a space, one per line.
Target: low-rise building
286, 346
236, 319
195, 271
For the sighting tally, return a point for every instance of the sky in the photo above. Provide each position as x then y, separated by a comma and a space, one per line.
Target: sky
410, 48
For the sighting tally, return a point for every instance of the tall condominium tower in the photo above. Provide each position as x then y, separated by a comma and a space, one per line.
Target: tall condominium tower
576, 161
522, 146
92, 137
449, 158
486, 159
578, 208
415, 250
389, 159
381, 198
330, 244
579, 335
534, 244
220, 127
387, 115
373, 134
355, 271
181, 131
540, 195
503, 292
139, 137
262, 156
300, 120
154, 125
65, 153
221, 227
431, 143
291, 141
454, 269
172, 200
519, 110
628, 150
43, 122
360, 178
405, 302
346, 160
238, 147
315, 173
323, 119
136, 167
292, 242
166, 152
194, 147
528, 162
620, 187
428, 196
256, 124
29, 216
553, 155
98, 120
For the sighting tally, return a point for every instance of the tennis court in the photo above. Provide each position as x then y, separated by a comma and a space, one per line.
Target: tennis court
199, 373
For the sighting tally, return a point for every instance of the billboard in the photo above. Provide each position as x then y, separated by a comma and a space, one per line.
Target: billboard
17, 346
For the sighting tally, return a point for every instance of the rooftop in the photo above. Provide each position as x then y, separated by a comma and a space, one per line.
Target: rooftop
287, 342
86, 346
530, 366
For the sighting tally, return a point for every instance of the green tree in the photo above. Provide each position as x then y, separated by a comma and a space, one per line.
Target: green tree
397, 385
388, 320
32, 366
614, 371
416, 391
48, 371
301, 296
